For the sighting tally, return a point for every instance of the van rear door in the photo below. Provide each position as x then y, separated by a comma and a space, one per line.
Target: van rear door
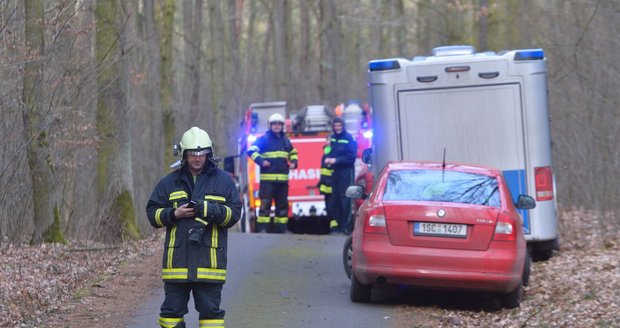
475, 124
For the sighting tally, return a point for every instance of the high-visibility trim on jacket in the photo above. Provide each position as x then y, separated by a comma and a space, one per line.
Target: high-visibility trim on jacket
262, 219
216, 198
325, 189
280, 219
273, 177
211, 274
178, 195
325, 179
158, 217
275, 154
175, 273
211, 323
292, 155
169, 322
172, 240
333, 224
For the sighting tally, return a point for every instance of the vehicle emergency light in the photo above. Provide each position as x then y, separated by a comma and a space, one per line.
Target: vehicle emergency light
544, 183
383, 65
531, 54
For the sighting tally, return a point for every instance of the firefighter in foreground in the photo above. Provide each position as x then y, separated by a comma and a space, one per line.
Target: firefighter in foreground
197, 204
341, 159
275, 155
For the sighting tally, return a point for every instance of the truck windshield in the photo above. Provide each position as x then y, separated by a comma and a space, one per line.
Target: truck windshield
437, 186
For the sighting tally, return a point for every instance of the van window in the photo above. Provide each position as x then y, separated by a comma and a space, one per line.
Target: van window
442, 186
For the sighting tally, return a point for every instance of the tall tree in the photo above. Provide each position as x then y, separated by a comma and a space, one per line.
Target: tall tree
114, 179
167, 79
330, 52
46, 211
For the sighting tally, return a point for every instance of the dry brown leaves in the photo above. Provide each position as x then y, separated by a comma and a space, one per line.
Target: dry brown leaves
577, 287
36, 281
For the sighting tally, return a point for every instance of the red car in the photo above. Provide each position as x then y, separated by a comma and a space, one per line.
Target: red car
445, 226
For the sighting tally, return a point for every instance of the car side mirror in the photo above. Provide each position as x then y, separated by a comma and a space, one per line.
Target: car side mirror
355, 192
367, 156
526, 202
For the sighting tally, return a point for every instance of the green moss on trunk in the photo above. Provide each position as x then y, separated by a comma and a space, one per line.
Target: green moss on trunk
124, 209
54, 233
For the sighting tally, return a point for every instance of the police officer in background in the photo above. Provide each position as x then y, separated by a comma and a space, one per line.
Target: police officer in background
197, 204
275, 155
341, 159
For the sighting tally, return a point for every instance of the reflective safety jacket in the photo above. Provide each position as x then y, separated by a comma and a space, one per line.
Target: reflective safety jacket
218, 204
278, 150
325, 180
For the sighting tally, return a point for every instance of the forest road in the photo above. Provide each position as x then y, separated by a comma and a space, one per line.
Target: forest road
283, 281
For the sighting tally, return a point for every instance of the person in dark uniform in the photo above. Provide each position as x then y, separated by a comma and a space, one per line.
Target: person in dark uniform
197, 204
275, 155
342, 159
325, 182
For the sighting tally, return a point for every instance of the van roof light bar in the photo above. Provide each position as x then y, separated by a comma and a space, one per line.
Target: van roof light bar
383, 65
529, 54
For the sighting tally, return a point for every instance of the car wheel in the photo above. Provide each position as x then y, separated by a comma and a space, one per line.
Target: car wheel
347, 256
513, 299
526, 268
360, 293
542, 254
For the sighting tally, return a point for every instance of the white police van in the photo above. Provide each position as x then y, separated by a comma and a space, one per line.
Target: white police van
481, 108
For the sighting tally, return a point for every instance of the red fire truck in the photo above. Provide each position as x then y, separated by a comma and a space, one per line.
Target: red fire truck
308, 131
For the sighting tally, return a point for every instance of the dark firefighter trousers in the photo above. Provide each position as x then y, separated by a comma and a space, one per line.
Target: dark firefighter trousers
339, 206
207, 298
278, 192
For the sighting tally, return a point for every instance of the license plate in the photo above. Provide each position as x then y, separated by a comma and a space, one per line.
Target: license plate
440, 229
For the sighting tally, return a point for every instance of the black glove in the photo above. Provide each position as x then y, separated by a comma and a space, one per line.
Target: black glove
216, 212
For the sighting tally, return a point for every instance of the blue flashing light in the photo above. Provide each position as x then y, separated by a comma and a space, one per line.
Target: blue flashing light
251, 138
531, 54
368, 134
383, 65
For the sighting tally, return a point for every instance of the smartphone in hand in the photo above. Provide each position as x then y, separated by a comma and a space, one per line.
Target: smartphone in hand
191, 204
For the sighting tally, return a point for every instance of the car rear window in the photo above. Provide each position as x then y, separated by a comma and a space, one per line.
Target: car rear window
442, 186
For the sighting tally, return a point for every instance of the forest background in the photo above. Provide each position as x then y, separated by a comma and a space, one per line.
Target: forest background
94, 93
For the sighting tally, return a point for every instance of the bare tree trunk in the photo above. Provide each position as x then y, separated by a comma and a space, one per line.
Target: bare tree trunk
330, 52
483, 23
195, 80
114, 179
167, 80
46, 211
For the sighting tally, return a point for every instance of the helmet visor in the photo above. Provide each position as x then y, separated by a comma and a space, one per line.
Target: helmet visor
196, 152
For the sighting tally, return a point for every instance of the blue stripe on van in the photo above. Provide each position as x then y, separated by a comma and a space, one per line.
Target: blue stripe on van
517, 186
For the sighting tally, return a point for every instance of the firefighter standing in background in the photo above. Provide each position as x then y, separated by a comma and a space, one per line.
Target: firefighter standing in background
325, 182
275, 155
342, 160
197, 204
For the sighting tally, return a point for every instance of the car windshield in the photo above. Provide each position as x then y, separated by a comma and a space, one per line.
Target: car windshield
442, 186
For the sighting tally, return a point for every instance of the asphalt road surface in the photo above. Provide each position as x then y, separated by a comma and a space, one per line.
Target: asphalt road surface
283, 281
